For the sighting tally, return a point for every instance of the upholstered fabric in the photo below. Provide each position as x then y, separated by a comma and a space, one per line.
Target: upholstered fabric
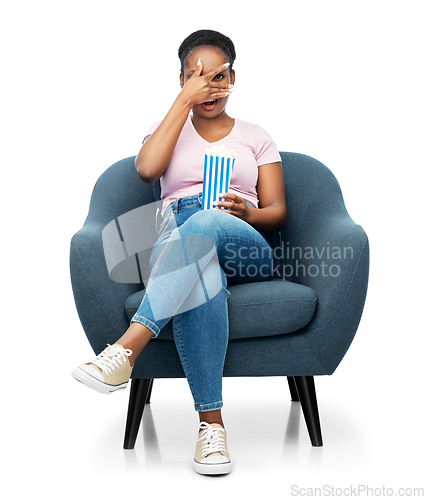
278, 306
320, 248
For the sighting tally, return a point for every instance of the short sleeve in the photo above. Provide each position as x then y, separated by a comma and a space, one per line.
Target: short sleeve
265, 148
152, 129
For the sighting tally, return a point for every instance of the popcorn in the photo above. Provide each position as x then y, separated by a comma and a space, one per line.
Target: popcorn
218, 167
221, 151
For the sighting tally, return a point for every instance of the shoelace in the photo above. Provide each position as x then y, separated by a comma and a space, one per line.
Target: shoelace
214, 439
111, 358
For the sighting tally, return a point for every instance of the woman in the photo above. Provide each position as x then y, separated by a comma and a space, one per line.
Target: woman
199, 252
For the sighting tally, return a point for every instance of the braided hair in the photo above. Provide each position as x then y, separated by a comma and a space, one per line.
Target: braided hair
207, 38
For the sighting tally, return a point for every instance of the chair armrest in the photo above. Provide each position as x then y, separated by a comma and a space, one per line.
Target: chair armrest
331, 255
99, 300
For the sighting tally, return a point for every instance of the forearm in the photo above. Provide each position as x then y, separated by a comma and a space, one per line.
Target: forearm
155, 154
266, 219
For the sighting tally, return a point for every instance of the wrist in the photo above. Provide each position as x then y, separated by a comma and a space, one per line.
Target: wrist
247, 216
184, 101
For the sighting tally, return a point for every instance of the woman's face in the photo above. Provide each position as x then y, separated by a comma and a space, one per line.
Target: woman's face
211, 59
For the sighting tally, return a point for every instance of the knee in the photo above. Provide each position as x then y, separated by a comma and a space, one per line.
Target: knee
205, 222
197, 237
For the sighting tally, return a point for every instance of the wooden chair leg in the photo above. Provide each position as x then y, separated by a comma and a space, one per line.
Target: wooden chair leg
140, 388
148, 397
293, 389
307, 395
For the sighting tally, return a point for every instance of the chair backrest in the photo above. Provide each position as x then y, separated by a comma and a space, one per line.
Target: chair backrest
117, 191
313, 194
309, 185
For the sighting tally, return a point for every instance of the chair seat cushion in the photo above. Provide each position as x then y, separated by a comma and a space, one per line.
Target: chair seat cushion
273, 307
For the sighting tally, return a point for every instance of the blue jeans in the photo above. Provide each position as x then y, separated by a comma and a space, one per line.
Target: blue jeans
197, 254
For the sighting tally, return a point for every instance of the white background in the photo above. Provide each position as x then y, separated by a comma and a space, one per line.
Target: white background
81, 82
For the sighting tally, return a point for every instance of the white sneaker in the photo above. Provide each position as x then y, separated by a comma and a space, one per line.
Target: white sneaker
108, 372
211, 455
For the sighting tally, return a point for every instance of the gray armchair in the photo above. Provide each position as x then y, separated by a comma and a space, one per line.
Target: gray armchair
299, 324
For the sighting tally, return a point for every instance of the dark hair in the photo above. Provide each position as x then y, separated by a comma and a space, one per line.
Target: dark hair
207, 38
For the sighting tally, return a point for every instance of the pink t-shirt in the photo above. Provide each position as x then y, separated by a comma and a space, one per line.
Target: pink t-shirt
184, 174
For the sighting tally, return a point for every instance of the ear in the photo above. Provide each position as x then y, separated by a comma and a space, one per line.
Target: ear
181, 81
232, 77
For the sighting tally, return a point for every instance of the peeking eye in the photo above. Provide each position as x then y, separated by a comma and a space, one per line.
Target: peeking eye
218, 77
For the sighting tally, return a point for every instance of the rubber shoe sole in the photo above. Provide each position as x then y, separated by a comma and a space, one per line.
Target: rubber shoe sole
212, 469
94, 383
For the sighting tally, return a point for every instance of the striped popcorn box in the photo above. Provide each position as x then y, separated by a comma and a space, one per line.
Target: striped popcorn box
218, 167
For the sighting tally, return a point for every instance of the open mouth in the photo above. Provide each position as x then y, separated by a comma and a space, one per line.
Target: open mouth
209, 104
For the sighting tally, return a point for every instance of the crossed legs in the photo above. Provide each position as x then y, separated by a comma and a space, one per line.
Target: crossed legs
206, 242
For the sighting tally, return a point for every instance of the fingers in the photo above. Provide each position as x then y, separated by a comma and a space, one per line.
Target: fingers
223, 206
218, 70
211, 74
219, 95
202, 87
218, 91
231, 196
234, 205
228, 87
231, 200
199, 67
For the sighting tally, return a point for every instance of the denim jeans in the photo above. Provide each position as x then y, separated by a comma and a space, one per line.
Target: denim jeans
197, 254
